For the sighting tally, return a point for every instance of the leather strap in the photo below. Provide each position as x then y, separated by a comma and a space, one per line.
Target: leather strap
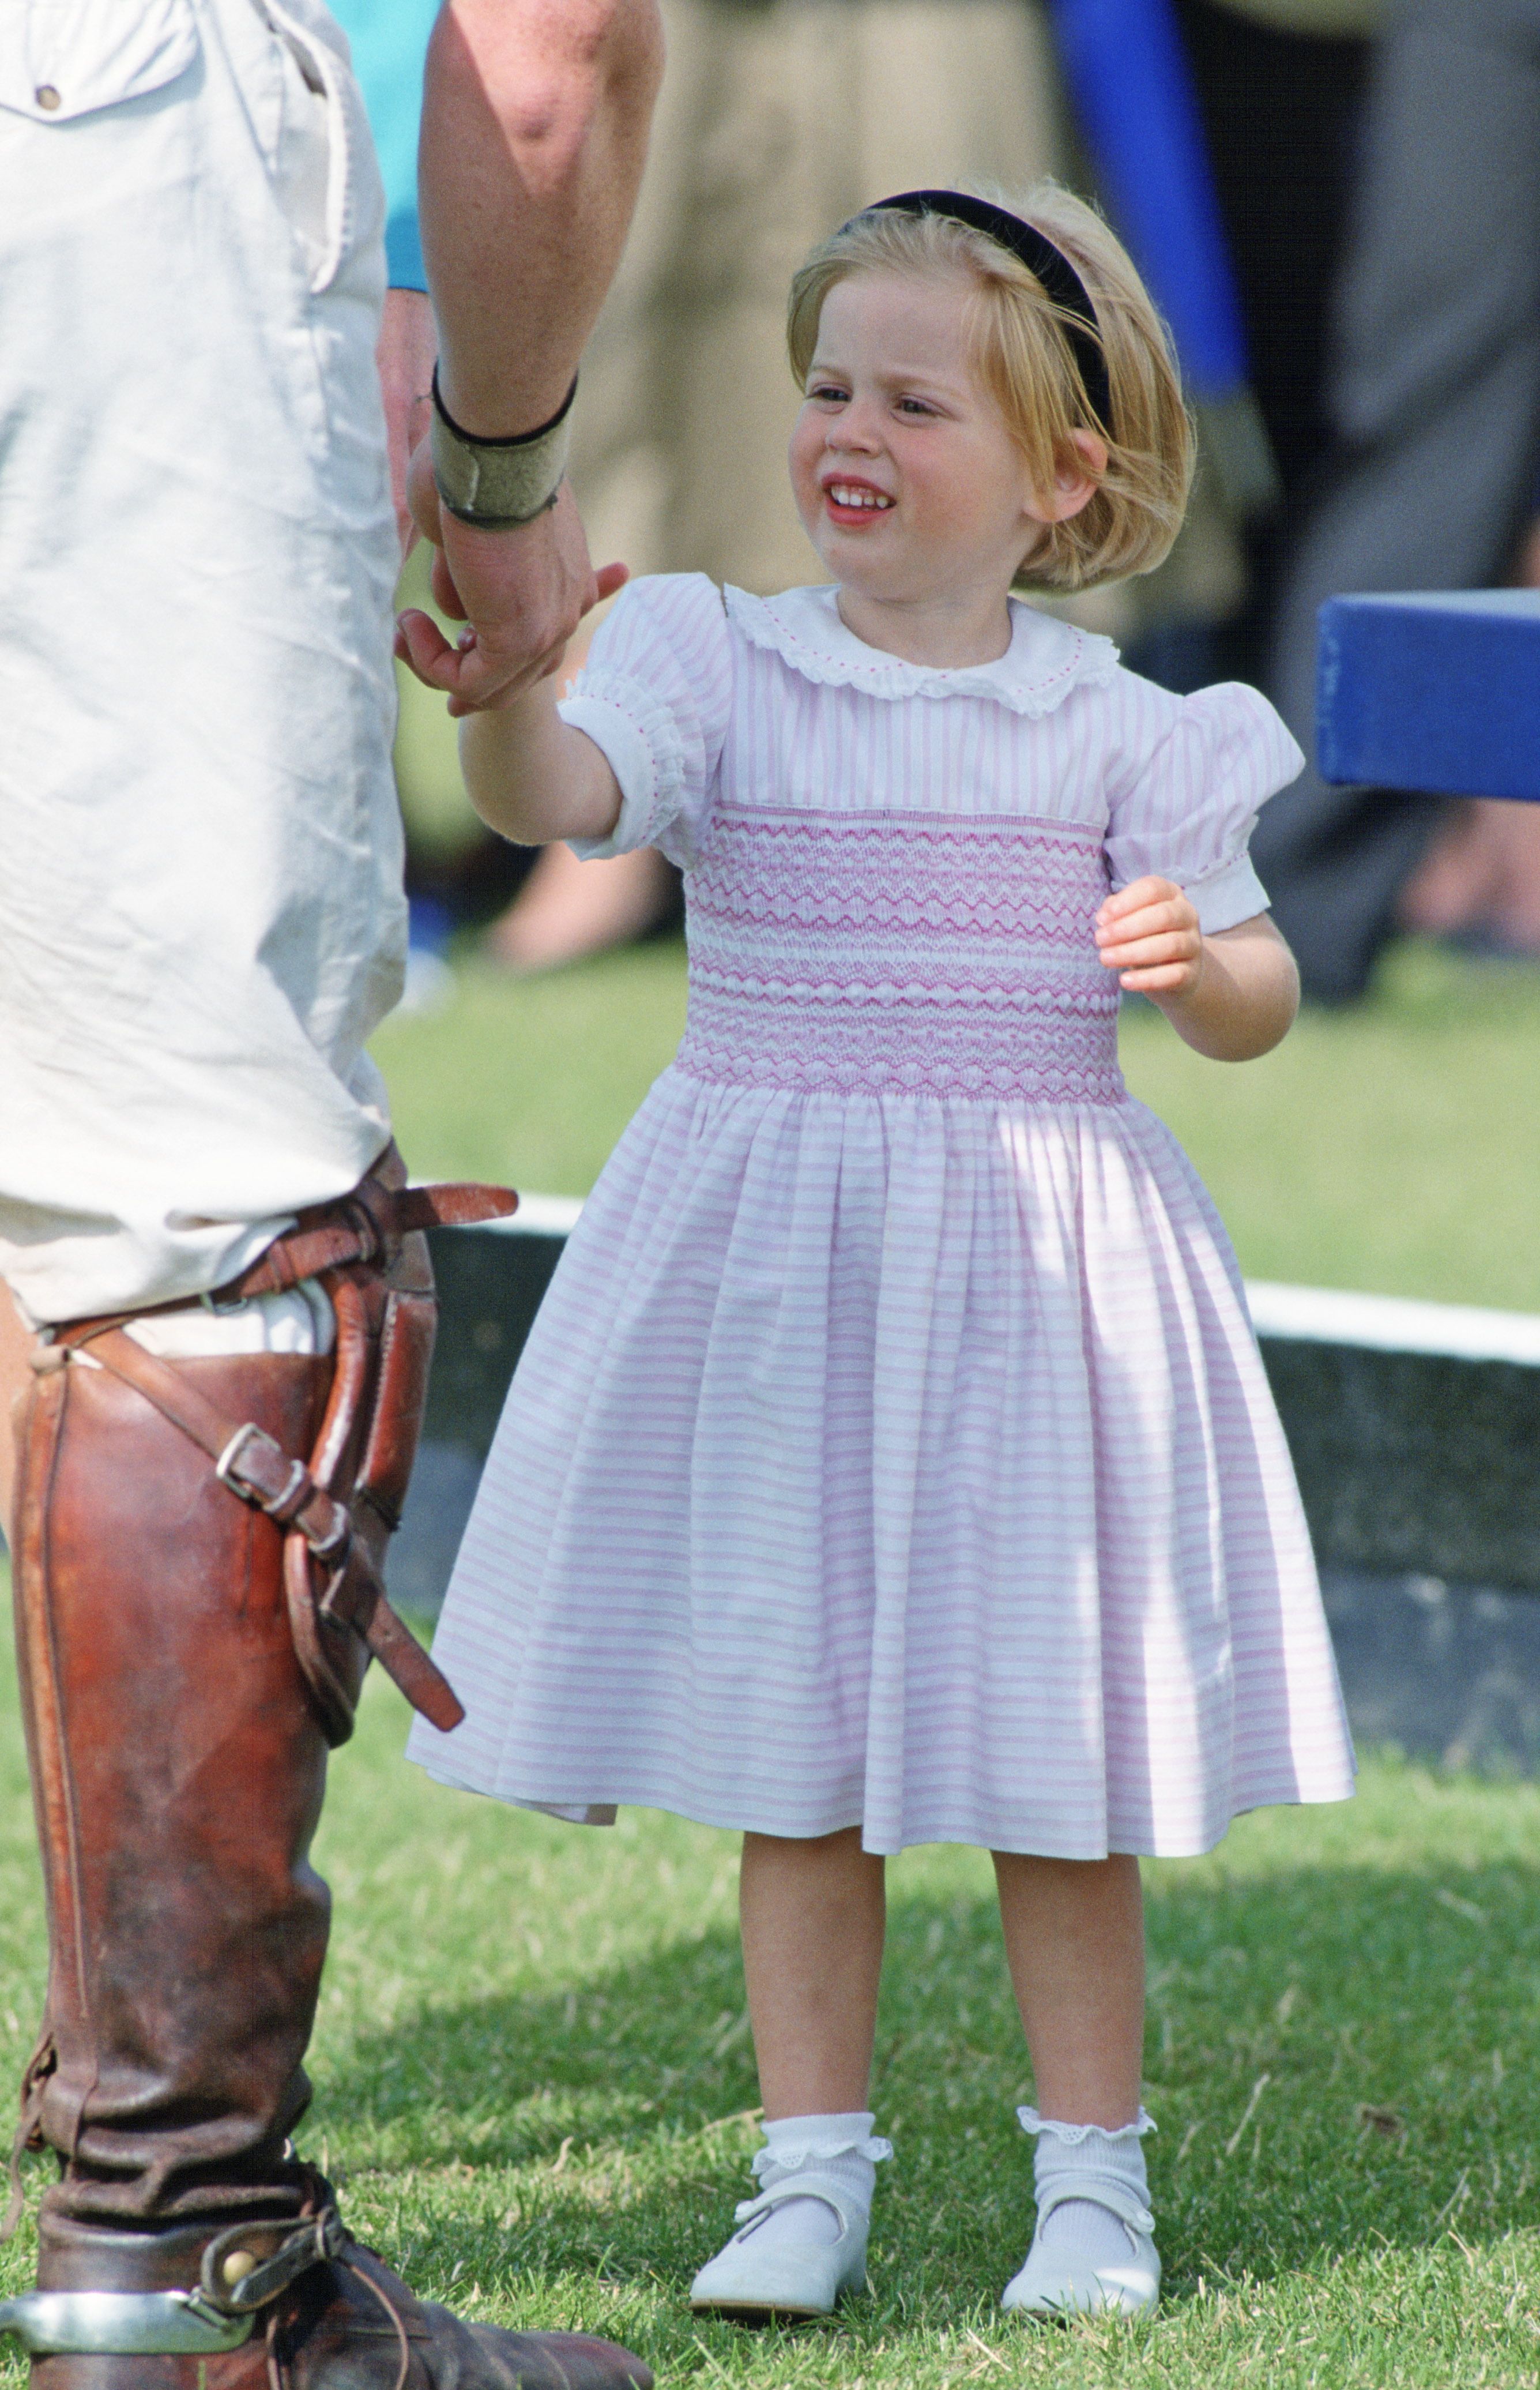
314, 2242
258, 1470
365, 1226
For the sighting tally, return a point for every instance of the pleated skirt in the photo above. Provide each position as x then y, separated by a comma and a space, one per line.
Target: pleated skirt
895, 1462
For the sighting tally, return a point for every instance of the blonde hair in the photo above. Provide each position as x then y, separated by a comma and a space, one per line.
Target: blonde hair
1022, 355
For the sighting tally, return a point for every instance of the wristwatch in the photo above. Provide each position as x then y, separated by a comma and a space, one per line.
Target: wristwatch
500, 483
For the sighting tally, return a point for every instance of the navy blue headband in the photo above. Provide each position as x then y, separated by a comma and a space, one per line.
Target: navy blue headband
1039, 254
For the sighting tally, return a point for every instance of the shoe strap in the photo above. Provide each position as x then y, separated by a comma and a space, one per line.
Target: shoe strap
1102, 2191
806, 2183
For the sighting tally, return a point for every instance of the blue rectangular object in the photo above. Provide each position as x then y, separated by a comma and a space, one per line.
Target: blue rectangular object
1439, 692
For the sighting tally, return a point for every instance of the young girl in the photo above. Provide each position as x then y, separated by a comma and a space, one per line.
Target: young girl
892, 1460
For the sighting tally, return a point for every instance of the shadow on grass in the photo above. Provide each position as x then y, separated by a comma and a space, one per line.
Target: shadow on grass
1336, 2059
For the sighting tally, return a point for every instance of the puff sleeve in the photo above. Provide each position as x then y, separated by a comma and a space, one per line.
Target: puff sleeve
1186, 812
655, 698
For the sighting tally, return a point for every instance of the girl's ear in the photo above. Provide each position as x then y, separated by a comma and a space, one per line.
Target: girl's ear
1076, 479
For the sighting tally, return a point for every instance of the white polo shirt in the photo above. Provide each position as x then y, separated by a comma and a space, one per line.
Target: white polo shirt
201, 918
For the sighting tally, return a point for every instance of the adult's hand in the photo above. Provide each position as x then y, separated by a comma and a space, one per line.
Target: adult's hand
522, 594
408, 343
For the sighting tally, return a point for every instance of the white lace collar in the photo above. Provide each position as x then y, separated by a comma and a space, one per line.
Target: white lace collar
1045, 661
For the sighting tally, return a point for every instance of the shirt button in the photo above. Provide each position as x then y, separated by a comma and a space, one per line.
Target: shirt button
46, 96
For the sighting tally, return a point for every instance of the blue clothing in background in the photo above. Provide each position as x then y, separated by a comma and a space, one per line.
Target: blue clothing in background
390, 43
1131, 87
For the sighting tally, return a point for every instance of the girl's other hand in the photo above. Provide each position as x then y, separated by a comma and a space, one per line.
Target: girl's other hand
1148, 934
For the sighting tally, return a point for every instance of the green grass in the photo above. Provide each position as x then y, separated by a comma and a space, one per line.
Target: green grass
534, 1079
1396, 1148
534, 2072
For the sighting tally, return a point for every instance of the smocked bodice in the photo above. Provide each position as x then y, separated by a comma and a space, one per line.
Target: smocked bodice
900, 954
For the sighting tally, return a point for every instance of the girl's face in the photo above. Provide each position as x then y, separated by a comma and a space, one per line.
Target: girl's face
906, 478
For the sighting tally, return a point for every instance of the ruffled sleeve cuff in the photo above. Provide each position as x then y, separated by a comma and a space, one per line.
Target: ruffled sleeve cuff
629, 757
639, 742
1228, 895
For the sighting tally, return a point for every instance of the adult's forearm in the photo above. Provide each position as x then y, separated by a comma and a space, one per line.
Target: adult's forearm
534, 126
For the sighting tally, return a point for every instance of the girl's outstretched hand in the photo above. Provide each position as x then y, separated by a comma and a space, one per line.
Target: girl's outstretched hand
1148, 934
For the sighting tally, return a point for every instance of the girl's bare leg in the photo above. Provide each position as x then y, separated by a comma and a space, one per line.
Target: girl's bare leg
813, 1916
567, 909
1074, 1939
1074, 1935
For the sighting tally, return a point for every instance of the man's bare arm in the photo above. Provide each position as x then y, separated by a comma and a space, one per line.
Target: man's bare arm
535, 117
534, 126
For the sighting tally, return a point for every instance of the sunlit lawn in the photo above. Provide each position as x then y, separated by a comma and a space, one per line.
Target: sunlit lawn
1396, 1148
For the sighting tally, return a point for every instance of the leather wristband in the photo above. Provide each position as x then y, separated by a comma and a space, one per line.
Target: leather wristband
500, 483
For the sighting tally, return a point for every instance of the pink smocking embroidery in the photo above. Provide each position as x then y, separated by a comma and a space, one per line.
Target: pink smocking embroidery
900, 954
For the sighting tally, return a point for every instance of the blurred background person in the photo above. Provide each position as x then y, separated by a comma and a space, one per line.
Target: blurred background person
1373, 236
1427, 479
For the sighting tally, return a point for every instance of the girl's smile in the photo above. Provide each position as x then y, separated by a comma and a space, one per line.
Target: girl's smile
854, 502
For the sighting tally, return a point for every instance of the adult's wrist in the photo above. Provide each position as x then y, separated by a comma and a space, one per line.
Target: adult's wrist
499, 484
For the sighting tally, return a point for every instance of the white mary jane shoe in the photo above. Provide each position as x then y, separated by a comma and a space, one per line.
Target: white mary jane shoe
1051, 2284
787, 2278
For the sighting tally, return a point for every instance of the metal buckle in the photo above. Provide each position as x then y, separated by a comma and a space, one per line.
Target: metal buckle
228, 1309
227, 1467
121, 2324
311, 2243
334, 1547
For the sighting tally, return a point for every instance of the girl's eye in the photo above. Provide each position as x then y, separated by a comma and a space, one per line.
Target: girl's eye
830, 393
914, 406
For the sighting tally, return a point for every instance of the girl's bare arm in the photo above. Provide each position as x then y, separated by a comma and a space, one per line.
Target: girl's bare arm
1231, 996
532, 779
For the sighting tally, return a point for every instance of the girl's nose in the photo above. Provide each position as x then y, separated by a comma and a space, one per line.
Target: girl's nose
854, 427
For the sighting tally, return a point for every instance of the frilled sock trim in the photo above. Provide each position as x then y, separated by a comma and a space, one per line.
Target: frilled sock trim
1073, 2135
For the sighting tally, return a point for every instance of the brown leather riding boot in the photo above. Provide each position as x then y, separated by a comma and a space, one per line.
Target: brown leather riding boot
178, 1766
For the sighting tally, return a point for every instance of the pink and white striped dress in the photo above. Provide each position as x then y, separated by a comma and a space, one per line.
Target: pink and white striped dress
891, 1449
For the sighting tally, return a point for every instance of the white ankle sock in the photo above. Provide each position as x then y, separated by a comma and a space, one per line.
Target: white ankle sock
840, 2147
1082, 2231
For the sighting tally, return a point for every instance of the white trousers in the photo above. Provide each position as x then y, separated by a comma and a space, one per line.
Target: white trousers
201, 919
